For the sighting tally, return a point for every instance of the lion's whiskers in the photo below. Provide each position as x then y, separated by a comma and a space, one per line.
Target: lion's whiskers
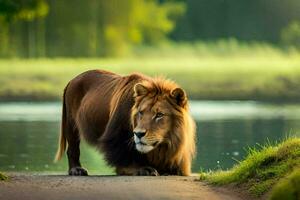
131, 141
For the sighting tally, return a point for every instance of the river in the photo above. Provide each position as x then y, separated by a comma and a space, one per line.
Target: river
225, 129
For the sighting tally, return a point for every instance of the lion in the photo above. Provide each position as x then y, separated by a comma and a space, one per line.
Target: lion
142, 125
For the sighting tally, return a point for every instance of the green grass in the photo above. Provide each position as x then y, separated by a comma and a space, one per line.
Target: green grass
272, 79
2, 177
216, 48
288, 188
222, 70
262, 168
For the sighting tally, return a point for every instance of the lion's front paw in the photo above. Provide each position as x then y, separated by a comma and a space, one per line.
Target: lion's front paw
146, 171
77, 171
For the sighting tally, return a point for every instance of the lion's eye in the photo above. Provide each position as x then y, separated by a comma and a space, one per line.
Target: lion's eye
159, 115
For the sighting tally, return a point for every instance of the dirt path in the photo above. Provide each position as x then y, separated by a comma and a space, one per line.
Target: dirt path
30, 186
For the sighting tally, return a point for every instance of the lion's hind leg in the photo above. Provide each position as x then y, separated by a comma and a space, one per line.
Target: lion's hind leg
71, 134
73, 153
69, 137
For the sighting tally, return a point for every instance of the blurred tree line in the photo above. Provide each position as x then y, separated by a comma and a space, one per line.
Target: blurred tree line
261, 20
83, 28
89, 28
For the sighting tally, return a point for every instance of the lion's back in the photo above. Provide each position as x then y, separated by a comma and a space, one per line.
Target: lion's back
81, 89
94, 95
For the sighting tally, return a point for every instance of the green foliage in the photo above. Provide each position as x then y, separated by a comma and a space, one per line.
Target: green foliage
23, 9
151, 21
262, 168
2, 177
96, 28
288, 188
19, 13
290, 36
88, 28
138, 21
260, 20
220, 48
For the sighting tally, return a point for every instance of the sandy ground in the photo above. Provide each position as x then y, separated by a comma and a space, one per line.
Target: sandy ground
33, 187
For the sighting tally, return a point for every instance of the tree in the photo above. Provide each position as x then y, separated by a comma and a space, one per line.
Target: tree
137, 22
13, 11
22, 9
87, 27
107, 28
290, 35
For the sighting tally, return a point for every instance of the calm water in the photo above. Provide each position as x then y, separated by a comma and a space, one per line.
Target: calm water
29, 132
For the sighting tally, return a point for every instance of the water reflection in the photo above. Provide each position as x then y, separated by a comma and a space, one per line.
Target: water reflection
28, 134
226, 140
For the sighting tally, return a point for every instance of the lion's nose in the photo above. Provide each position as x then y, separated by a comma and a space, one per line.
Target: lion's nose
140, 134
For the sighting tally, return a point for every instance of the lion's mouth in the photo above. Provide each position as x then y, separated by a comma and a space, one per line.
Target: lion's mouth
141, 143
142, 146
145, 144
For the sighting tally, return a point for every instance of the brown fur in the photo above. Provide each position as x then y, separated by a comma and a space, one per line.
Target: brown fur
104, 109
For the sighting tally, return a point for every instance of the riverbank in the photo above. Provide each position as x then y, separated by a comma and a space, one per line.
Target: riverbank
262, 169
37, 186
2, 177
271, 77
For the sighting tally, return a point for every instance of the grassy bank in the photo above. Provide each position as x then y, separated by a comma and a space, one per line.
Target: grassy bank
263, 168
253, 74
288, 188
2, 177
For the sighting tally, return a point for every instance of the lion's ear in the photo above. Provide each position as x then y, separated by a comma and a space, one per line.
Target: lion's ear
179, 96
140, 89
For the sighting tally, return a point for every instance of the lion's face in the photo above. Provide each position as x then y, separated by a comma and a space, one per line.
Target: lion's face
153, 121
153, 115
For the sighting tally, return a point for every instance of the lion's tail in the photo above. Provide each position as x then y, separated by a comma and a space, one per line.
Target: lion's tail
62, 144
